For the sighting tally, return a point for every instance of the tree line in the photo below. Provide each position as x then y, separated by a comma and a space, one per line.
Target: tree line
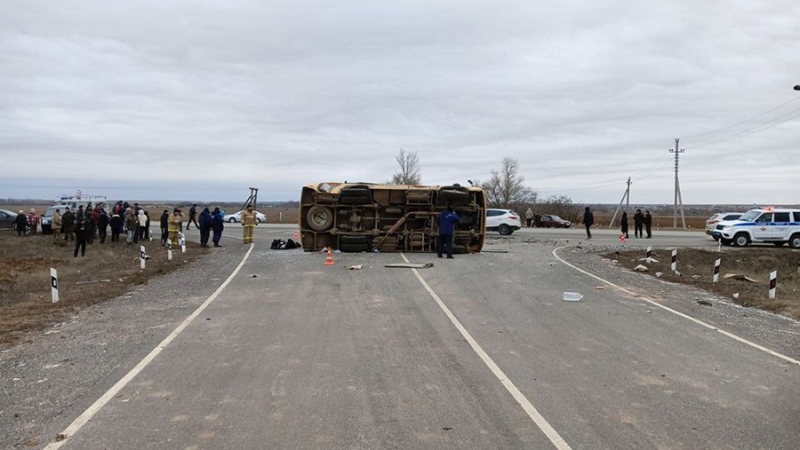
505, 188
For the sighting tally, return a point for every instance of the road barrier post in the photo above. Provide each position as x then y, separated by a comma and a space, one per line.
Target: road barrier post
773, 284
54, 284
674, 265
169, 250
649, 252
142, 257
716, 270
183, 243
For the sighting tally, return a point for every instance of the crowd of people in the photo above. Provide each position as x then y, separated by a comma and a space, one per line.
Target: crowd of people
84, 225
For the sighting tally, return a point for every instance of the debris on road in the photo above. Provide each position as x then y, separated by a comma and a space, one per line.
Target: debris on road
641, 268
659, 274
572, 297
649, 260
409, 266
92, 282
494, 251
355, 267
600, 288
704, 303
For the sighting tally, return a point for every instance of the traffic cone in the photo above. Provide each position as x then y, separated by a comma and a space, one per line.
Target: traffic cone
296, 235
622, 238
329, 259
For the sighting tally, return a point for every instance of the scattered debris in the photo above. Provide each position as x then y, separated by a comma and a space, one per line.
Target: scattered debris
704, 303
659, 274
572, 297
60, 437
740, 277
641, 268
494, 251
93, 281
253, 276
409, 266
695, 276
600, 288
649, 260
736, 295
355, 267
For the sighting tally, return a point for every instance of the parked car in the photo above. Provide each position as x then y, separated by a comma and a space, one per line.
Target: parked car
769, 225
237, 217
504, 221
7, 219
551, 221
711, 223
47, 218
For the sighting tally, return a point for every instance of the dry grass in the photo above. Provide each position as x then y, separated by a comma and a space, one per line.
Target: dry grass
696, 268
25, 262
659, 222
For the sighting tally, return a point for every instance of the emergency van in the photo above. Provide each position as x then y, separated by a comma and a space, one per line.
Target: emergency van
768, 225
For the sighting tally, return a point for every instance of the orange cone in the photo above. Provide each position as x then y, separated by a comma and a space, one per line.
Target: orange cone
622, 238
296, 235
329, 259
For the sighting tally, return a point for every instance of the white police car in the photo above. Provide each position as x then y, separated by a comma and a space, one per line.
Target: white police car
769, 225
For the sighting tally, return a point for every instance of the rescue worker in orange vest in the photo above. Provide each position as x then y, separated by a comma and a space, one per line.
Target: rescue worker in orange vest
249, 223
174, 226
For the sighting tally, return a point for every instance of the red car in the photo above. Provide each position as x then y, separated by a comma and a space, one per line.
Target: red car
551, 221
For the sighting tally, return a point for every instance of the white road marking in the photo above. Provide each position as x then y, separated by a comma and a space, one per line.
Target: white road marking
537, 418
87, 415
678, 313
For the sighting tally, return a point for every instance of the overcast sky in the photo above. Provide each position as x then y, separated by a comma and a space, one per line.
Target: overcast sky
201, 99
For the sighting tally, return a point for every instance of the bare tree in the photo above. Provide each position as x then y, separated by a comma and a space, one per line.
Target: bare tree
505, 188
410, 171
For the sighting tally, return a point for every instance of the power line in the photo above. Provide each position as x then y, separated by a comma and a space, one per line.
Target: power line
744, 121
755, 130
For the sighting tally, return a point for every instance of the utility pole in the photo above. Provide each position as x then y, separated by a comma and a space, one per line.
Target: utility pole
626, 197
678, 197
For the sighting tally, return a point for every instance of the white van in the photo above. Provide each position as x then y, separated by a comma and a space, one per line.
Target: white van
769, 225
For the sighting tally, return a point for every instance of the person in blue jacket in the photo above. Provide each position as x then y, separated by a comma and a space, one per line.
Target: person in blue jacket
217, 224
205, 226
447, 228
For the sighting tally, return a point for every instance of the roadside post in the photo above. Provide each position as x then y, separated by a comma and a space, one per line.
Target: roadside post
182, 241
674, 265
649, 252
142, 257
773, 284
169, 250
716, 270
54, 284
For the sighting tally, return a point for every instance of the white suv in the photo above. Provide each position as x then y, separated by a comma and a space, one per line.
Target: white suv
770, 225
711, 223
505, 221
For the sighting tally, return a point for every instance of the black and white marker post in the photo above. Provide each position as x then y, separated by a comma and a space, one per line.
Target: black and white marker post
773, 284
142, 257
183, 243
169, 250
649, 253
716, 270
674, 265
54, 284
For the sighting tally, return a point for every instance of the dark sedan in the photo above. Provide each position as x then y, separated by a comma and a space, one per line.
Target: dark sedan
7, 219
551, 221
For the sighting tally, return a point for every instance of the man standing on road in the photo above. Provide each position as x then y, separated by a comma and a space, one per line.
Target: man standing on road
537, 219
249, 223
56, 227
174, 226
648, 224
588, 221
447, 228
68, 221
624, 224
33, 221
102, 226
80, 237
217, 224
131, 226
192, 217
529, 218
205, 227
116, 224
638, 220
164, 227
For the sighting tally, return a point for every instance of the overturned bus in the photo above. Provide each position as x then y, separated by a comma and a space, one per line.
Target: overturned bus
389, 218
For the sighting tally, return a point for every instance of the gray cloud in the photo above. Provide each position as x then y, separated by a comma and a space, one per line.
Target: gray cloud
278, 94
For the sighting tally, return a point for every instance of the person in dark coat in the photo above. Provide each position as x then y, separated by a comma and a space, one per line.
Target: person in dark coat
81, 214
205, 226
90, 226
21, 223
624, 224
588, 221
648, 224
80, 236
102, 226
192, 217
447, 228
67, 225
217, 225
164, 227
116, 224
638, 221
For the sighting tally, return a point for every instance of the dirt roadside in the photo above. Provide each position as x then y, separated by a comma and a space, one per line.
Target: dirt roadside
696, 268
107, 271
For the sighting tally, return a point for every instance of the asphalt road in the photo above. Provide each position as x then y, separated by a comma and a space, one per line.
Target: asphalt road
480, 352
